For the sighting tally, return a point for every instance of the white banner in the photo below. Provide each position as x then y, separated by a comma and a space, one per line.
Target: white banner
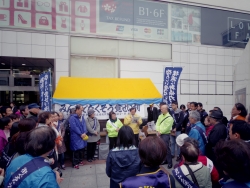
102, 111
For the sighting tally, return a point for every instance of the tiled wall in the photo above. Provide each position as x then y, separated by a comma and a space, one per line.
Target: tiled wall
36, 45
199, 63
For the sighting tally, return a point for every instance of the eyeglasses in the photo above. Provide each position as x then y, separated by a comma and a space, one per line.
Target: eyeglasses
46, 4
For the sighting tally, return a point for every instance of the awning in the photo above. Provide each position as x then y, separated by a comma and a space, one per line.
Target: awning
93, 91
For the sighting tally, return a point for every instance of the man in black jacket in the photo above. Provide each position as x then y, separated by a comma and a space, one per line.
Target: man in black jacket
202, 112
178, 117
219, 132
152, 113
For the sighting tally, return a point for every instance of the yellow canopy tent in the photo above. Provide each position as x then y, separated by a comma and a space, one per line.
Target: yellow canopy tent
93, 91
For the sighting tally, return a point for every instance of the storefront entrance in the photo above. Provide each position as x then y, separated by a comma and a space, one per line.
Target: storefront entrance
19, 79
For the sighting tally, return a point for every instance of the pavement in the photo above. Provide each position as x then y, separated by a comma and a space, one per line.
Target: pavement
91, 175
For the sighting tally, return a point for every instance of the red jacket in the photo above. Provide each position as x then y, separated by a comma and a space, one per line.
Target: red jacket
209, 164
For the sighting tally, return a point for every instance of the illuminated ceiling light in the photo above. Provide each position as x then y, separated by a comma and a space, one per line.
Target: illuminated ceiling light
23, 64
3, 63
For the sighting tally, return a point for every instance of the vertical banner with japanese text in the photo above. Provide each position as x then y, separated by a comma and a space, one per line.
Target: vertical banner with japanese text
171, 77
45, 90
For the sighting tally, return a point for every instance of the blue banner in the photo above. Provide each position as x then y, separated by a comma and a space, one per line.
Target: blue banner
171, 77
45, 90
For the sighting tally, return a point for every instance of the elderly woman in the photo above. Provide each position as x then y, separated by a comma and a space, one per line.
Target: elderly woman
93, 127
239, 112
33, 168
197, 130
153, 152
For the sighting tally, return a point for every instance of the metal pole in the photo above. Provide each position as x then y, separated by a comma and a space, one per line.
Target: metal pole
50, 88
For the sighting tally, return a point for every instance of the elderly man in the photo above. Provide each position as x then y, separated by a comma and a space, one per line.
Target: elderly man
163, 127
198, 130
134, 121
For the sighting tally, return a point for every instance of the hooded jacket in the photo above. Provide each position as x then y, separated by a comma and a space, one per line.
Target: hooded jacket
122, 164
178, 117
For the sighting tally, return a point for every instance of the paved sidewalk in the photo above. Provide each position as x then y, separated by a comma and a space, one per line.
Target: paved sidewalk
91, 175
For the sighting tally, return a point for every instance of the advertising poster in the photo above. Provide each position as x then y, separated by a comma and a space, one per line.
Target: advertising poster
185, 23
133, 19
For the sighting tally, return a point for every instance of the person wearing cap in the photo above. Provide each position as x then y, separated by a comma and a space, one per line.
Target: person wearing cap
152, 113
197, 130
219, 132
201, 158
134, 121
93, 127
78, 132
34, 111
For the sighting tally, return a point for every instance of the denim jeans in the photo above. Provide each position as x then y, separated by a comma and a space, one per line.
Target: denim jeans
61, 159
173, 143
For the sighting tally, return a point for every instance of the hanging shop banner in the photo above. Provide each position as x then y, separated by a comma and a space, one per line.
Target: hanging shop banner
102, 111
45, 90
171, 77
185, 23
133, 19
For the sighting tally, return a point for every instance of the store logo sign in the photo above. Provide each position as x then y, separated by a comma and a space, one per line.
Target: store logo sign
109, 6
239, 30
147, 30
160, 31
119, 28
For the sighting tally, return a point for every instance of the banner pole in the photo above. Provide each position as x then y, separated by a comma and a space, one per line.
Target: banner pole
50, 87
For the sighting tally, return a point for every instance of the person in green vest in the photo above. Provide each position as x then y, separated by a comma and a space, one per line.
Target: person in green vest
163, 127
113, 126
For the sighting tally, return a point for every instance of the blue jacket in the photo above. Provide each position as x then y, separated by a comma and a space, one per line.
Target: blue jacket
43, 177
122, 164
196, 135
77, 128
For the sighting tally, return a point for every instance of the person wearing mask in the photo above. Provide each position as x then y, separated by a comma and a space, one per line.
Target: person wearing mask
113, 126
134, 121
123, 161
152, 152
5, 126
163, 127
33, 163
198, 130
93, 128
152, 113
24, 110
6, 111
78, 132
219, 132
202, 112
239, 112
34, 111
181, 139
192, 172
233, 156
178, 117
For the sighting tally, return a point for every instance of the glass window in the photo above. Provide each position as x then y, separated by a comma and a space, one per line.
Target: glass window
4, 81
22, 81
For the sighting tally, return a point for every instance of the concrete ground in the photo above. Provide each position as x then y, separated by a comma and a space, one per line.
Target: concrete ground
91, 175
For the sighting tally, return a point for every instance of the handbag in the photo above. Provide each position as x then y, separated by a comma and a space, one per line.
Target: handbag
43, 21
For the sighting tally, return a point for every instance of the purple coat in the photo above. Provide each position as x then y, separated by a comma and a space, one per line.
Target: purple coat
77, 128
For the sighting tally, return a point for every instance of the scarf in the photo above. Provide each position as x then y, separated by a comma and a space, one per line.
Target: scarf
113, 121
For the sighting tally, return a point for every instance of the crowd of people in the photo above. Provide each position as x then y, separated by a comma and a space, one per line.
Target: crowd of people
210, 151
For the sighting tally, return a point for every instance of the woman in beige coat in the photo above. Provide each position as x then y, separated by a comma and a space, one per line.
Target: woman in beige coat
93, 127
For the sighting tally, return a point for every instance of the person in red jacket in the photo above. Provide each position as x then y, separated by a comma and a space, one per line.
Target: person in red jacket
180, 140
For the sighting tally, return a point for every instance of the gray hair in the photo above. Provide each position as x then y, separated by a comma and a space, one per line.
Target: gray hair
195, 114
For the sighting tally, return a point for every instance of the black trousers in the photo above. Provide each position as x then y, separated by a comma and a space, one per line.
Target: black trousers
77, 156
112, 142
136, 140
91, 147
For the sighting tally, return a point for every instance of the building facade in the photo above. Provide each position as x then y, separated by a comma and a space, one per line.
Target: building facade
125, 39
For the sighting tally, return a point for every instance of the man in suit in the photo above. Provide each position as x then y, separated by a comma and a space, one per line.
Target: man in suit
152, 113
